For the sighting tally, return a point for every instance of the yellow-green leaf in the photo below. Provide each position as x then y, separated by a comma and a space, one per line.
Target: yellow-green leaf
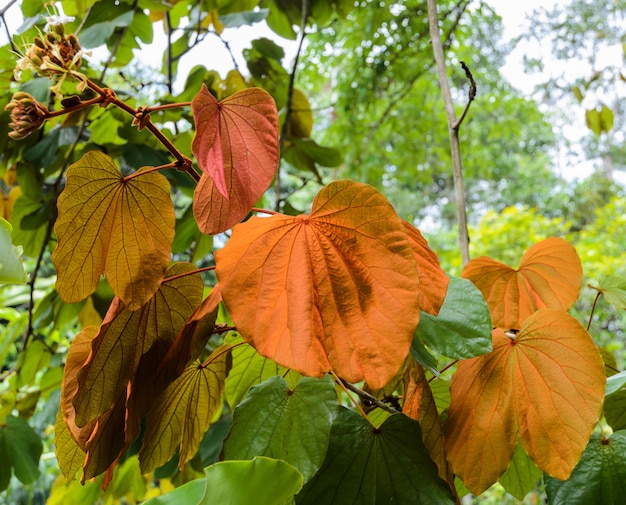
126, 336
109, 224
183, 412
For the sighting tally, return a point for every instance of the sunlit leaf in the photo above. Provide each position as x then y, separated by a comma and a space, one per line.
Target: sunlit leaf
126, 337
547, 383
262, 481
191, 492
615, 382
109, 224
69, 455
11, 268
301, 117
613, 289
337, 289
433, 280
599, 477
236, 145
549, 276
183, 412
288, 424
522, 476
368, 466
462, 329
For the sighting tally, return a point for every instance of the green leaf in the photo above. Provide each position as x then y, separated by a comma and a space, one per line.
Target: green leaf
423, 356
615, 382
599, 477
371, 466
237, 19
462, 329
191, 493
31, 239
522, 476
578, 93
97, 34
289, 424
592, 118
261, 481
613, 289
5, 461
248, 369
11, 268
24, 448
615, 410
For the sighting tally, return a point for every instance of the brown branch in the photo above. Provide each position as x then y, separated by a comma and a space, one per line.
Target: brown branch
453, 134
365, 396
471, 94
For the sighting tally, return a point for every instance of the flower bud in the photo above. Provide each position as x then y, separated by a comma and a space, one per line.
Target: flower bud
27, 115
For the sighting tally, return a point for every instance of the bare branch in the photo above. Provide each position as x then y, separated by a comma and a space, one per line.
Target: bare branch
453, 133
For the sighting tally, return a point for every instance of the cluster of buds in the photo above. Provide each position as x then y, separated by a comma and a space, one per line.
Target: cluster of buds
53, 55
27, 115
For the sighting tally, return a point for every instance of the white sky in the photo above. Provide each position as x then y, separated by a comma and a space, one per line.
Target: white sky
514, 16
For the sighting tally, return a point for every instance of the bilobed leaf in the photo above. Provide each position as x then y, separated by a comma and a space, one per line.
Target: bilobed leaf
599, 477
419, 404
462, 329
288, 424
549, 276
369, 466
236, 145
11, 268
547, 383
262, 481
249, 368
522, 476
613, 289
433, 280
183, 412
127, 337
337, 289
192, 337
109, 224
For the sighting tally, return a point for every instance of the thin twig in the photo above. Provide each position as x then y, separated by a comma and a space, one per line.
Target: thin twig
471, 94
365, 396
453, 134
292, 79
593, 308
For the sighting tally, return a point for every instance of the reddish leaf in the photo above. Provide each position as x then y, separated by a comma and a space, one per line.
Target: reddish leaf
547, 383
549, 276
337, 289
192, 337
433, 280
236, 145
113, 225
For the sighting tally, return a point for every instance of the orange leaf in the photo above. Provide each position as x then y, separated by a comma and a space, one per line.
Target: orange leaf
126, 337
108, 224
433, 280
547, 382
337, 289
419, 404
236, 145
549, 276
